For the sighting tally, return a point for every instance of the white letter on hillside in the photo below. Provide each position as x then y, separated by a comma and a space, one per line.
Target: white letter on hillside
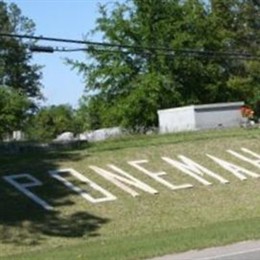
33, 182
246, 159
119, 180
194, 169
107, 195
238, 171
156, 176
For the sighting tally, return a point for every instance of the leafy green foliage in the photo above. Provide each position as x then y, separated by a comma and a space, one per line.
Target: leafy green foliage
239, 22
13, 111
130, 85
16, 70
51, 121
19, 78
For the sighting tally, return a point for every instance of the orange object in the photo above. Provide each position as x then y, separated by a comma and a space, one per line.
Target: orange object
246, 111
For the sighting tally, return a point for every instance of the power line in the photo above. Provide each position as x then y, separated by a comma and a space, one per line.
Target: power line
186, 54
119, 48
103, 44
190, 53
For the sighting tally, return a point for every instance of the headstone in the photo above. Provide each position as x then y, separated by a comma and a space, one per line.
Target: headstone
65, 137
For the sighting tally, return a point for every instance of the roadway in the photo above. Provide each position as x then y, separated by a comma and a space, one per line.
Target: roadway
248, 250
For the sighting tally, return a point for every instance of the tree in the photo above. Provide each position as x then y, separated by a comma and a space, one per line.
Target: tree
19, 78
51, 121
131, 84
14, 111
16, 70
239, 21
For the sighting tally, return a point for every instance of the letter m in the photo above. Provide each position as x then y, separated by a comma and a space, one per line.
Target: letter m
193, 169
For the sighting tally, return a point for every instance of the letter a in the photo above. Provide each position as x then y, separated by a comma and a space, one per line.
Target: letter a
246, 159
238, 171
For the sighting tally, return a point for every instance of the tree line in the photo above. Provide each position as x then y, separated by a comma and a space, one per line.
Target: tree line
129, 87
181, 58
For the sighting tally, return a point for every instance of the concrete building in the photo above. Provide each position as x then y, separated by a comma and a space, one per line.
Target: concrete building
197, 117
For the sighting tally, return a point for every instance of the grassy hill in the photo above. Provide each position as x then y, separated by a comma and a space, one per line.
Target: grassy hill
131, 227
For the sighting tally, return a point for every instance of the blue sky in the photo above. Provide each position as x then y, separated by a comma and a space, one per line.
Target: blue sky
62, 19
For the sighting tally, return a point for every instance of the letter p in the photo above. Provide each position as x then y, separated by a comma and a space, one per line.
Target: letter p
23, 187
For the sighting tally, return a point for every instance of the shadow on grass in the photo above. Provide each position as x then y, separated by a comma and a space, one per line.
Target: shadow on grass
24, 222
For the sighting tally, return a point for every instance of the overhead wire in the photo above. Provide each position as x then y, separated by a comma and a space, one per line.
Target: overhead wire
123, 48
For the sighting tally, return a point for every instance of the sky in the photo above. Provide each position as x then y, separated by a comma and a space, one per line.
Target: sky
61, 19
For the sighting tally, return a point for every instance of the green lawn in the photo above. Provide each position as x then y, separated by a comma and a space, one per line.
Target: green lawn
131, 228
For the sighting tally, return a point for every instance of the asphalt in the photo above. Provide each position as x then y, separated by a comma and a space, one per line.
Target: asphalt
248, 250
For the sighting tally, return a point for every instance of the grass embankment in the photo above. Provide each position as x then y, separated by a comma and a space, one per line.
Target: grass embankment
131, 228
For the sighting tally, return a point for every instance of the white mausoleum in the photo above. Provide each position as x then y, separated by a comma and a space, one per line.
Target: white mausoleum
196, 117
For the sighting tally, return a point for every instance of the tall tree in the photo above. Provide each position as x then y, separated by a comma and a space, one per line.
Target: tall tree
16, 69
239, 22
19, 78
131, 84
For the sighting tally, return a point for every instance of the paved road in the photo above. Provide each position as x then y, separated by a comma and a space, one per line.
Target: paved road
249, 250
